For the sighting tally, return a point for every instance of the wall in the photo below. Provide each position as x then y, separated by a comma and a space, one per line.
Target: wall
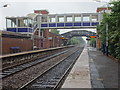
7, 43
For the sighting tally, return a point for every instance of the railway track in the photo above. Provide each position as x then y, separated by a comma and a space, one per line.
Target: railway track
26, 75
53, 78
24, 57
12, 70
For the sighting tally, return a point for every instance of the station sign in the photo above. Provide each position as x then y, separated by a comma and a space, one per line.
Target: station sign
92, 36
62, 38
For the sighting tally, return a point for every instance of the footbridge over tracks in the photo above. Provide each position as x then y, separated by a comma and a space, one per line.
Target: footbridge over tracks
73, 21
31, 23
78, 33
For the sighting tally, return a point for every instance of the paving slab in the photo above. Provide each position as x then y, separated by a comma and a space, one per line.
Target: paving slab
104, 70
79, 77
93, 70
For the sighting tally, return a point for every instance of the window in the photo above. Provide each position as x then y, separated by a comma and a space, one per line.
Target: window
69, 19
44, 19
52, 19
94, 18
8, 23
86, 18
77, 19
61, 19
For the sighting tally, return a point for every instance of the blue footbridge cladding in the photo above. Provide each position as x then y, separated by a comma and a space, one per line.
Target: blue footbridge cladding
69, 24
53, 25
20, 29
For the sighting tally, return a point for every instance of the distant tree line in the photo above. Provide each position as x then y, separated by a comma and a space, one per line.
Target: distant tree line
76, 40
55, 31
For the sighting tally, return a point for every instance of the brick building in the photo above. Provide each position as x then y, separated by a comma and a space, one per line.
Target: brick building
12, 42
29, 26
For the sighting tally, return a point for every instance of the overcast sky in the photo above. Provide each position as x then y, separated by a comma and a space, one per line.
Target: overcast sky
24, 7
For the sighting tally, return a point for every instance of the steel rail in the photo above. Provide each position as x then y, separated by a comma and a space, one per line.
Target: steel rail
10, 71
33, 80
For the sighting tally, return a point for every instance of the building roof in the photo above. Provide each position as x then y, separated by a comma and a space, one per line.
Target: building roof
103, 9
12, 34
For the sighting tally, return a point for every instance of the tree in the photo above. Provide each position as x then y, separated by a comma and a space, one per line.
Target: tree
55, 31
76, 40
93, 42
113, 21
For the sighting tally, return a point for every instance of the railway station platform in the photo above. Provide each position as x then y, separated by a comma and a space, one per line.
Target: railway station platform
93, 70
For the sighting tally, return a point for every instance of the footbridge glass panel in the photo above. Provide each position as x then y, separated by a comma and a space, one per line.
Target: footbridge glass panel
19, 24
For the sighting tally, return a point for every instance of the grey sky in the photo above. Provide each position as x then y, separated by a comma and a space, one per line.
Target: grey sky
24, 7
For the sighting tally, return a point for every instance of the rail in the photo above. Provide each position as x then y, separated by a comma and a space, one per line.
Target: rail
35, 51
50, 86
23, 57
10, 71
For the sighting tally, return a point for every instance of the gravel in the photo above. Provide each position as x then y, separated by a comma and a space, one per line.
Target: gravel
19, 79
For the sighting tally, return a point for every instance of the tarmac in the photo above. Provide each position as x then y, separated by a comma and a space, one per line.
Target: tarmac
93, 70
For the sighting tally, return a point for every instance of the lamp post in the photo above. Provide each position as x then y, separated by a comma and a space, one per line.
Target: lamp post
106, 48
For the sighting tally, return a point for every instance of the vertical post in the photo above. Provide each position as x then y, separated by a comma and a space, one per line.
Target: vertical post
99, 18
48, 20
107, 39
6, 23
81, 19
107, 35
32, 26
39, 32
56, 20
90, 18
16, 24
65, 19
32, 32
28, 22
33, 39
11, 24
73, 20
39, 26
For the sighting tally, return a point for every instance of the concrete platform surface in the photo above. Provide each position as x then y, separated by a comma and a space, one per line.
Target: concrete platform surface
107, 69
79, 77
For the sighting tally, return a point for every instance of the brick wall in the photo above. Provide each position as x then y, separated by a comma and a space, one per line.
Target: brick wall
7, 43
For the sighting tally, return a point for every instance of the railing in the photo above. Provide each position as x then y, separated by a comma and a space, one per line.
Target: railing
35, 26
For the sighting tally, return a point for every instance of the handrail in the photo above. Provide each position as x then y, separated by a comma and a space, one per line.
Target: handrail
35, 26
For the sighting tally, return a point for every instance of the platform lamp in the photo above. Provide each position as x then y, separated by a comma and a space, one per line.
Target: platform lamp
107, 4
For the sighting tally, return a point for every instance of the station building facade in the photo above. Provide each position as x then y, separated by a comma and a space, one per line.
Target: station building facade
23, 34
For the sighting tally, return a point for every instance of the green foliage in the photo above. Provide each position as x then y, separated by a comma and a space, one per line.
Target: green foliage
55, 31
76, 40
93, 42
113, 21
